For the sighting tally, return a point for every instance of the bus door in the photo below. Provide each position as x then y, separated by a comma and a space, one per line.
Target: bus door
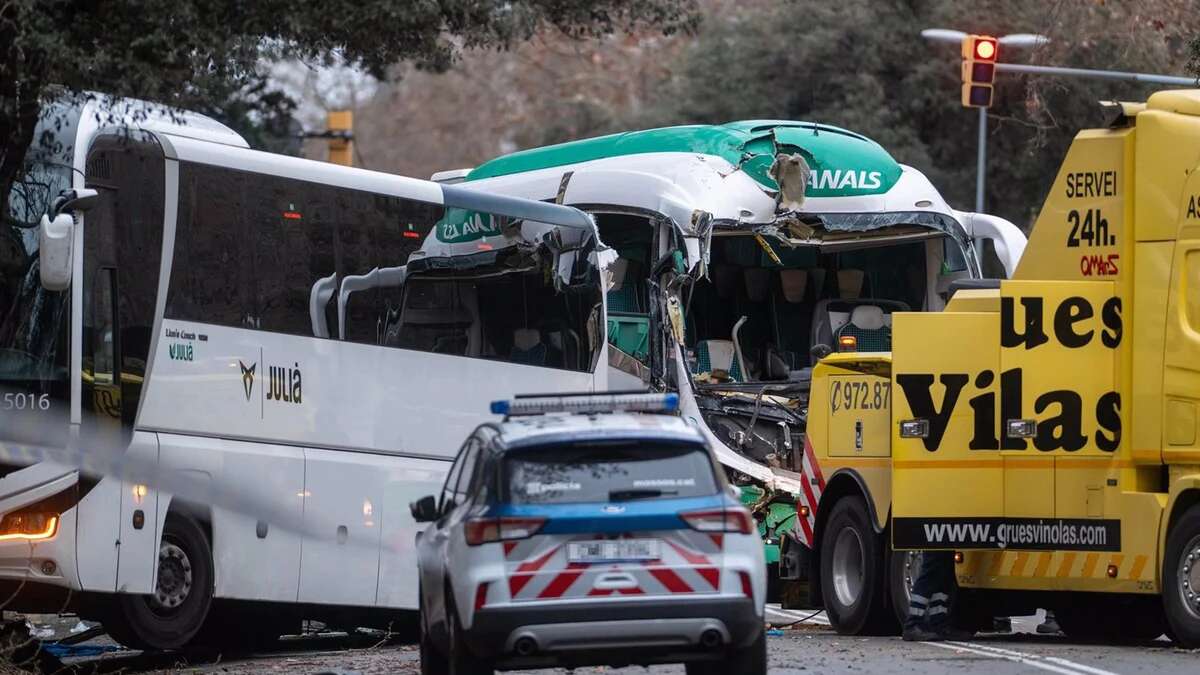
947, 473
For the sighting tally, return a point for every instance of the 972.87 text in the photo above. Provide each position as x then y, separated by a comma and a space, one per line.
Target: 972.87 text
859, 395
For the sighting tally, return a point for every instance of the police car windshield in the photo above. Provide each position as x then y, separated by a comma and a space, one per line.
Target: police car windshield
607, 471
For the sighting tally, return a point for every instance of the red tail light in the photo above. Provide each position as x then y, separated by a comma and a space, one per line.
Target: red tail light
486, 530
720, 520
747, 589
481, 596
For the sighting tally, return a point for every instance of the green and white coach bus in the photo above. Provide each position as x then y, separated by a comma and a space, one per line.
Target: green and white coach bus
727, 288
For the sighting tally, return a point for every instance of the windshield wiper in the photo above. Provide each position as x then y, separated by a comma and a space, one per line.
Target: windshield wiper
629, 495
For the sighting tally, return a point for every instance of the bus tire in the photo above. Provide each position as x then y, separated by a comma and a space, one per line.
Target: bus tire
1181, 579
174, 614
853, 571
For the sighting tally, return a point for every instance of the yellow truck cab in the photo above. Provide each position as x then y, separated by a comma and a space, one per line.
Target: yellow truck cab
1043, 427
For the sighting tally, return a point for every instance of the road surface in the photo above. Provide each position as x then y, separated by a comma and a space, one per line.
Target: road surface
807, 648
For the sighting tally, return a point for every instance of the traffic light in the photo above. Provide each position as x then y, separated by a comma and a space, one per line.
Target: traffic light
979, 53
340, 125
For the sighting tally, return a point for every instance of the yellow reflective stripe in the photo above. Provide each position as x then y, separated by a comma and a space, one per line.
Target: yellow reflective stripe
1019, 564
1139, 564
1043, 564
994, 569
1064, 570
1089, 564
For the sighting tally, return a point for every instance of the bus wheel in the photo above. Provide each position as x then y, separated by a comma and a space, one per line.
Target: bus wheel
1181, 579
171, 617
853, 571
904, 568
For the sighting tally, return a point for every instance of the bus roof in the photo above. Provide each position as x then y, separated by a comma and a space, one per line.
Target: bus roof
845, 164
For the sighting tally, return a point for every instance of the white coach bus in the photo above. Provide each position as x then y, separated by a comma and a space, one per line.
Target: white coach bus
279, 327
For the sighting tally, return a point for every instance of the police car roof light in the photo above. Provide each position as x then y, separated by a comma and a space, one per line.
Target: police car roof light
587, 403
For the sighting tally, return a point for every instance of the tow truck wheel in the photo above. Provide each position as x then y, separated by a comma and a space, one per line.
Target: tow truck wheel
1181, 579
175, 612
853, 572
905, 566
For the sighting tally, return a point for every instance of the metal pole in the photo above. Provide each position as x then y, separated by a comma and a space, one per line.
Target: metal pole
1098, 74
981, 165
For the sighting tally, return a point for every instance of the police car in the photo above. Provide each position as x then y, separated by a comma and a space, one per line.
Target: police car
583, 531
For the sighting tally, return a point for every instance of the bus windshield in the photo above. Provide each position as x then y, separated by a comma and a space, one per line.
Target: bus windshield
33, 321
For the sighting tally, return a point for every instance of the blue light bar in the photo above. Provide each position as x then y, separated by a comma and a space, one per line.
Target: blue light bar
587, 404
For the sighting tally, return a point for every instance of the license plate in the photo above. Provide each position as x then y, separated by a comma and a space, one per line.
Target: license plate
608, 550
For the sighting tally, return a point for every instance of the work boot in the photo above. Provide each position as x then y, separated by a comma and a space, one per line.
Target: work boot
1049, 626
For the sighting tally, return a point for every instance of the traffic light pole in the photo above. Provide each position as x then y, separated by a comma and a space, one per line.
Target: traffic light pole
1096, 74
981, 163
1151, 78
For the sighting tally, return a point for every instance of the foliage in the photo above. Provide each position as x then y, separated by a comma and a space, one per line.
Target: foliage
191, 53
861, 64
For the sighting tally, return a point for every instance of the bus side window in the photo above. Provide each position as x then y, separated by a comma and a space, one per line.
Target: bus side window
292, 248
208, 237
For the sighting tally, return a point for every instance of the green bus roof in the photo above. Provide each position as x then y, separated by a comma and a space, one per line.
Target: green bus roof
844, 163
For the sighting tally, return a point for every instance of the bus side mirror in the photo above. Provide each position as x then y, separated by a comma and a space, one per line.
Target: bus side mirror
56, 237
424, 510
56, 242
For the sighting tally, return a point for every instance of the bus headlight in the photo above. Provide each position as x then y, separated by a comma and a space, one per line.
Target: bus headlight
28, 525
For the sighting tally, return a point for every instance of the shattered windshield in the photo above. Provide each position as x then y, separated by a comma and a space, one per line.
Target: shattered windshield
34, 321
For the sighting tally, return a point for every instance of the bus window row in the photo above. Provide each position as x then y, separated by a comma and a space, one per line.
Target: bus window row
320, 261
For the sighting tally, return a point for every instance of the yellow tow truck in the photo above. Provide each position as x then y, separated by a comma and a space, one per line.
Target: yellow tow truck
1044, 427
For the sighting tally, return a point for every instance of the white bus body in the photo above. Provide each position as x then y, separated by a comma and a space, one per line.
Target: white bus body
209, 274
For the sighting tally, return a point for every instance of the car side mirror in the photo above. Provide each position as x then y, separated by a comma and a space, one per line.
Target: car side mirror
424, 510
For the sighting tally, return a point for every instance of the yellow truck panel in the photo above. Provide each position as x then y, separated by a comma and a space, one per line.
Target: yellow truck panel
1048, 430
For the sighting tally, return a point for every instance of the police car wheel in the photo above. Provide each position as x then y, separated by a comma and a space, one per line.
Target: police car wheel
433, 662
853, 572
1181, 579
461, 661
174, 614
749, 660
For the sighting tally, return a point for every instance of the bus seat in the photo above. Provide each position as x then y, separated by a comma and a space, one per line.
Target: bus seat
850, 284
714, 355
831, 314
758, 283
625, 294
528, 347
869, 327
794, 283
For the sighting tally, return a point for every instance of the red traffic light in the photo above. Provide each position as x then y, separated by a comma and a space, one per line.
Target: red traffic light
980, 48
985, 49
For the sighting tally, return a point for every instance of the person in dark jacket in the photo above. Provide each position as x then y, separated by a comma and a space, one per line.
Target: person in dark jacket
932, 600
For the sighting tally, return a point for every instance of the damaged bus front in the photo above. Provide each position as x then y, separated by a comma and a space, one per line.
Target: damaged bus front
744, 253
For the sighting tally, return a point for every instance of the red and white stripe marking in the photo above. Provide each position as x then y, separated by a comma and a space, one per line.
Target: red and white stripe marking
812, 485
544, 574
